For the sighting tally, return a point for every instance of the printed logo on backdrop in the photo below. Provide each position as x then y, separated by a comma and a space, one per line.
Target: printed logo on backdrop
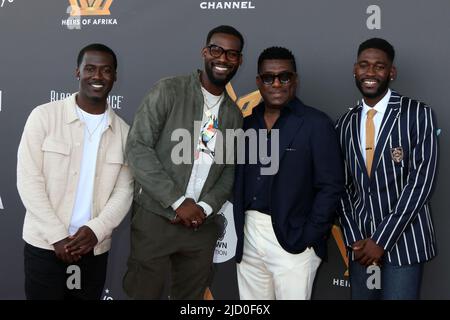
338, 237
226, 244
1, 204
107, 295
88, 13
247, 102
90, 7
5, 3
115, 101
227, 5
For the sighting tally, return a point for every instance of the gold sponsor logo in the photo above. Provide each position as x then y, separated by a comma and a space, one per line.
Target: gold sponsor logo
337, 235
90, 7
247, 102
208, 294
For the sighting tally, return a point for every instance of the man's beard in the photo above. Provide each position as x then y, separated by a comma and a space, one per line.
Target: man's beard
216, 81
382, 88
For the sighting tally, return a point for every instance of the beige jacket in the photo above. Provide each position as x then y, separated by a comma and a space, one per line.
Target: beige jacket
48, 166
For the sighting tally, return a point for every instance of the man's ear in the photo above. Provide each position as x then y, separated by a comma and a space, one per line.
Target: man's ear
393, 73
258, 82
296, 79
203, 52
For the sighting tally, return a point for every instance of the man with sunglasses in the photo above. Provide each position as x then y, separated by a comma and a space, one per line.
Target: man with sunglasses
282, 220
174, 225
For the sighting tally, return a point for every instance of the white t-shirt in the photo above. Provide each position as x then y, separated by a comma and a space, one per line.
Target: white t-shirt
95, 125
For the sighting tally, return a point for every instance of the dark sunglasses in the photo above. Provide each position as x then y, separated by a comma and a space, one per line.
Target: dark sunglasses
284, 77
216, 52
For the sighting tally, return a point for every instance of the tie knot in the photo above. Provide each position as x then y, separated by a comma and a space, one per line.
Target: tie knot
371, 113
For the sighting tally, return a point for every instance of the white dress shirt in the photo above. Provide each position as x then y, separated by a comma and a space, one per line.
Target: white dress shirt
380, 107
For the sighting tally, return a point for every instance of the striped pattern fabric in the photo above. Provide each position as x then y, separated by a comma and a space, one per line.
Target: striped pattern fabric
391, 205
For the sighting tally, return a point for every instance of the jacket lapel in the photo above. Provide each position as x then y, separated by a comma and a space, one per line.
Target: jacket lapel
387, 124
355, 128
290, 127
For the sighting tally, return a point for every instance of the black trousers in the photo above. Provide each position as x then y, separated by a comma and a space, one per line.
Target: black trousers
49, 278
161, 250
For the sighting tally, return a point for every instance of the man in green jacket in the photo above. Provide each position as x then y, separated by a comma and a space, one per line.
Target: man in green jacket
178, 193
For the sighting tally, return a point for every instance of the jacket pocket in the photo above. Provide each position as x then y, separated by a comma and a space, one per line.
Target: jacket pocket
56, 158
111, 170
52, 145
115, 158
398, 156
297, 221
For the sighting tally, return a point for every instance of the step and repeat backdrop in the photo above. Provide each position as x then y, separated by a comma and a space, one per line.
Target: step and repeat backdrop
40, 40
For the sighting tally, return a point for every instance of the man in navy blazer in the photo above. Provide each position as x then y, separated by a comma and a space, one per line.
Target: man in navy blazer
285, 198
389, 144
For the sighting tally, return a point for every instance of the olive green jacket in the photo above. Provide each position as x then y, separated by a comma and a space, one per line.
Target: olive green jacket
175, 103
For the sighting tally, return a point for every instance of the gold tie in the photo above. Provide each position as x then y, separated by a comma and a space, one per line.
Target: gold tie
370, 139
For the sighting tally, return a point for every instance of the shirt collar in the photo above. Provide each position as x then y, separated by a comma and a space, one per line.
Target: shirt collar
380, 107
290, 106
71, 111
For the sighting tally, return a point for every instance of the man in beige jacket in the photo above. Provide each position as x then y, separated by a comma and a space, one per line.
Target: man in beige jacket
74, 183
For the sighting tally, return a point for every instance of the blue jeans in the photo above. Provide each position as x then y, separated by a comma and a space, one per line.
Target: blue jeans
395, 283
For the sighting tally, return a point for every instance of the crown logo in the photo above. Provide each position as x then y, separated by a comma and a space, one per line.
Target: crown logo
90, 7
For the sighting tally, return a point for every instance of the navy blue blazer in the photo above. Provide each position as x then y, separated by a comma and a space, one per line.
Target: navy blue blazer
392, 206
308, 185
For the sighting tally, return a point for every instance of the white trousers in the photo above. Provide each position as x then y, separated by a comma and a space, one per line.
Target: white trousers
267, 271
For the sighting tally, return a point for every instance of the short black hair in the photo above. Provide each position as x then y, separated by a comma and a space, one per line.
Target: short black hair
378, 43
96, 47
276, 53
227, 30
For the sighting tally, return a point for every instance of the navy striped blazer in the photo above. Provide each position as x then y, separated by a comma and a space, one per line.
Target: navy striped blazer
392, 206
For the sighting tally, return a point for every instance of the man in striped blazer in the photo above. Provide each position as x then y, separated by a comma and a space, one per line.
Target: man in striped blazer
389, 144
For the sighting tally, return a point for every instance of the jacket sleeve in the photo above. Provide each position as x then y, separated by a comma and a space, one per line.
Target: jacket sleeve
328, 181
31, 181
144, 134
416, 192
345, 209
